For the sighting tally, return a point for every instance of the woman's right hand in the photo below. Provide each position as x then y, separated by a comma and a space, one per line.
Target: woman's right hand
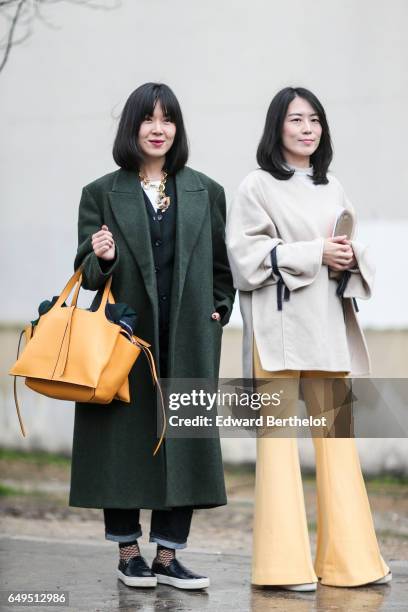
103, 244
337, 254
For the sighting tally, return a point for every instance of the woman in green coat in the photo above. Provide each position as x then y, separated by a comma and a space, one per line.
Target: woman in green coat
157, 227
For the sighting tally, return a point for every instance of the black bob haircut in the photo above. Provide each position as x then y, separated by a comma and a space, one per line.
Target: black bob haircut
270, 154
139, 105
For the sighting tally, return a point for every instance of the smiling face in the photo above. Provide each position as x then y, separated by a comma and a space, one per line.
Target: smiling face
156, 134
301, 132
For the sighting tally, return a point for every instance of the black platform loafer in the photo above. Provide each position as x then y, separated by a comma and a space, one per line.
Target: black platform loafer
179, 576
136, 573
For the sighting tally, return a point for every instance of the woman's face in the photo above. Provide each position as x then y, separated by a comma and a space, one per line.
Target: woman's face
156, 134
301, 132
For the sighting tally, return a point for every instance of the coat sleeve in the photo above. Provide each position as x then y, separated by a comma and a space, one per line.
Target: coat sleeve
95, 271
223, 287
361, 281
251, 236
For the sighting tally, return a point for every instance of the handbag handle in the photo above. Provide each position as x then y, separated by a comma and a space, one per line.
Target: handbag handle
76, 281
75, 278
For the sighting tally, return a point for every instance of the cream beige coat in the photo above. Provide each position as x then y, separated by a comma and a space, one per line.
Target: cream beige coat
315, 330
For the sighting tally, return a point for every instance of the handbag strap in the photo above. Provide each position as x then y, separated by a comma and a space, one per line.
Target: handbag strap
100, 312
144, 346
76, 281
75, 278
105, 296
20, 420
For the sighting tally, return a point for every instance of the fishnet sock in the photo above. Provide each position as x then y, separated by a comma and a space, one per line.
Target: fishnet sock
127, 550
165, 555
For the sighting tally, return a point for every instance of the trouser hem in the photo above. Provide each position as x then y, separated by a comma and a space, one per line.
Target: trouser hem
283, 580
167, 543
129, 537
355, 582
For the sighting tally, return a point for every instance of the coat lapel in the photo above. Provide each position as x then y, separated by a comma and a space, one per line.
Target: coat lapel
129, 209
192, 208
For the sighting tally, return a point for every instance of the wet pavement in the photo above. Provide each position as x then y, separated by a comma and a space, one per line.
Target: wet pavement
87, 571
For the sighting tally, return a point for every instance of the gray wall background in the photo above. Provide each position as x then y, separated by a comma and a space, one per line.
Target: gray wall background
63, 89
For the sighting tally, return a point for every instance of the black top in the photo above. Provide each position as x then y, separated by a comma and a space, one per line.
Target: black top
163, 238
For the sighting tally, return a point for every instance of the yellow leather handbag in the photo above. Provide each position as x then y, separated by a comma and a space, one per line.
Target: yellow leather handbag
79, 355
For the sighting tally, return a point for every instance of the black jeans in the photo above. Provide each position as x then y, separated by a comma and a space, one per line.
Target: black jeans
167, 527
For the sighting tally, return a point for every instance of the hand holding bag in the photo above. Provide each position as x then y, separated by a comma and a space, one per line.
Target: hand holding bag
79, 355
343, 226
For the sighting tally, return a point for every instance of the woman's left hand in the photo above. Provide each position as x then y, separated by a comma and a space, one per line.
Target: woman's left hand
353, 263
216, 316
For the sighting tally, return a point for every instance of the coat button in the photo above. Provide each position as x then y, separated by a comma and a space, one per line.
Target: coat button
164, 298
159, 217
158, 243
157, 268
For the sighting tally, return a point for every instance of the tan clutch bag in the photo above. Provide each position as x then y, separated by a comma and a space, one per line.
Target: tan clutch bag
343, 226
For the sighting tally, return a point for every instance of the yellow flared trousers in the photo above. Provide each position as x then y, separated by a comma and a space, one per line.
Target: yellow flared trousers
347, 549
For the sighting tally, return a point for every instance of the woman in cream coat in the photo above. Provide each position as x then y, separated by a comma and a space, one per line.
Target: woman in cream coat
297, 289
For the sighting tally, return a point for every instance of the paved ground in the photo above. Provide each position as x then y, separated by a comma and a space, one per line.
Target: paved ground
44, 544
86, 571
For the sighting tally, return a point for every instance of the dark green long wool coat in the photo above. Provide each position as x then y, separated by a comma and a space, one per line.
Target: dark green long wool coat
112, 458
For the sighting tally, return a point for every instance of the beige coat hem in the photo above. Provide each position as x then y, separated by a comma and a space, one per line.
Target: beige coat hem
359, 356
